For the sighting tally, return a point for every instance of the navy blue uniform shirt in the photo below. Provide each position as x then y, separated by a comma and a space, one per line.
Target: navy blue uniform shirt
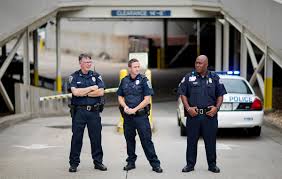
201, 91
80, 80
134, 90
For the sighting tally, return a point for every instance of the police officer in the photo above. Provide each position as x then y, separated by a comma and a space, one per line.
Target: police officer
134, 94
87, 88
201, 92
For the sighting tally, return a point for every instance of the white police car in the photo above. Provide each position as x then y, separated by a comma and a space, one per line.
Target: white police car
241, 108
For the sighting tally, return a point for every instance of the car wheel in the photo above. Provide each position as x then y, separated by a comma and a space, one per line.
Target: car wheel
182, 129
255, 131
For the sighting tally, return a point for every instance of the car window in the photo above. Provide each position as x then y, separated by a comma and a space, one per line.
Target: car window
236, 86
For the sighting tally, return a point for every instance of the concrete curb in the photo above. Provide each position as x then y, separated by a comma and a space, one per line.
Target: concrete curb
11, 120
272, 125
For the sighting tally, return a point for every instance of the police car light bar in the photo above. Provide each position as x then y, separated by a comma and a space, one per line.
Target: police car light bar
228, 72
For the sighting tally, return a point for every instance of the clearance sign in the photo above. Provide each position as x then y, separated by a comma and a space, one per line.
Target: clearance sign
154, 13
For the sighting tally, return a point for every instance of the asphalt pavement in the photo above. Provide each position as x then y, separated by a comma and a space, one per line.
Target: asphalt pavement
39, 148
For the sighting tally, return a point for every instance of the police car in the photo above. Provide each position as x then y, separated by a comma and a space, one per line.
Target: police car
241, 108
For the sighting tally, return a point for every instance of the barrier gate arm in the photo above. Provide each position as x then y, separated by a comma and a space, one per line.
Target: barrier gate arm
69, 95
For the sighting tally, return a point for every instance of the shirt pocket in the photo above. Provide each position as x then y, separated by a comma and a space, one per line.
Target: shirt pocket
195, 88
138, 89
80, 84
126, 89
211, 89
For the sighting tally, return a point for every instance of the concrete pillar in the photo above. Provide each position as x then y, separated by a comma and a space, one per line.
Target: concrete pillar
198, 36
226, 46
235, 51
26, 74
58, 55
35, 57
268, 86
26, 63
218, 46
164, 44
243, 56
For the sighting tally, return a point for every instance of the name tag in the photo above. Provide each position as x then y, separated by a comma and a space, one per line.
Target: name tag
78, 82
192, 78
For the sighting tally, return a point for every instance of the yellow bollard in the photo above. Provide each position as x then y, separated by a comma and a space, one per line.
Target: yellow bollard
59, 84
268, 94
123, 73
41, 44
36, 77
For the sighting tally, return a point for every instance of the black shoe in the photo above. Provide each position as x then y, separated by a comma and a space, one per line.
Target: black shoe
214, 169
187, 169
129, 166
158, 169
72, 169
100, 166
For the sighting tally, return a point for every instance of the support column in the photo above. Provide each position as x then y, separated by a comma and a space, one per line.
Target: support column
235, 51
218, 46
226, 46
35, 57
243, 56
268, 75
198, 37
58, 55
26, 63
164, 45
3, 69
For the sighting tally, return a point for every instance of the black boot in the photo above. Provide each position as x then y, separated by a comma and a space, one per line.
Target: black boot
129, 166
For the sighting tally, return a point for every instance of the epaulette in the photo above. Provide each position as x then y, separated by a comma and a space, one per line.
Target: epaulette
213, 74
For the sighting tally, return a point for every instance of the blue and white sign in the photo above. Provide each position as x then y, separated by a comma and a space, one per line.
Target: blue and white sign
154, 13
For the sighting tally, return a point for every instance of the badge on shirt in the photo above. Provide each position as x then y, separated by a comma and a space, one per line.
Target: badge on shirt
149, 84
93, 79
137, 82
220, 81
192, 78
70, 79
210, 80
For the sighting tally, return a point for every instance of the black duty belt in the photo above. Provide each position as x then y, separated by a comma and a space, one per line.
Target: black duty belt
203, 110
89, 107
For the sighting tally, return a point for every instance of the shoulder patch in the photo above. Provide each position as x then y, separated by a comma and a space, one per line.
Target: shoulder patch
70, 79
183, 80
100, 77
149, 84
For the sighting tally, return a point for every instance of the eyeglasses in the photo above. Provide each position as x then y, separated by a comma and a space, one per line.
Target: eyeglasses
88, 62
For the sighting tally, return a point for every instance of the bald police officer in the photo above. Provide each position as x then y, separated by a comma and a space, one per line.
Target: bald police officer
87, 88
201, 92
134, 94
